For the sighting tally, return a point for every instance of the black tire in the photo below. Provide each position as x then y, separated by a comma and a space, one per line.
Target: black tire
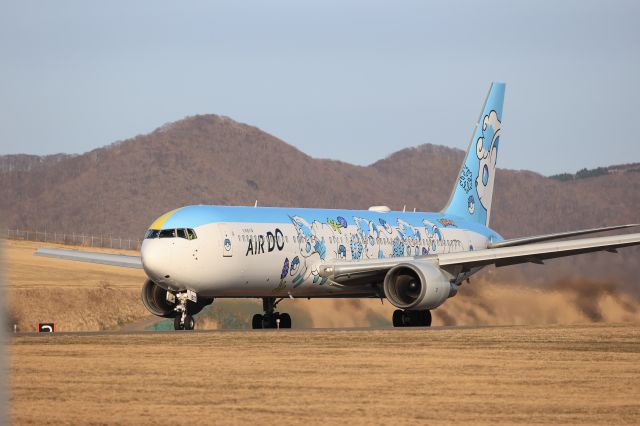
285, 320
418, 318
427, 319
176, 323
189, 322
397, 318
256, 322
269, 321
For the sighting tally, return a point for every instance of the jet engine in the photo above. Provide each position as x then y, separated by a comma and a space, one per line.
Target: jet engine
155, 300
417, 286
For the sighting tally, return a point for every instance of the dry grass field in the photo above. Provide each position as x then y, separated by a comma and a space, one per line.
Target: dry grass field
495, 375
551, 374
74, 295
88, 297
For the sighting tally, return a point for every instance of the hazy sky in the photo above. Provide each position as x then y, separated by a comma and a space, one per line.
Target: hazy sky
349, 80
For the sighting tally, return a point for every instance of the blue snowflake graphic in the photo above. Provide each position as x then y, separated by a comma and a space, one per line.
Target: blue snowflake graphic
466, 179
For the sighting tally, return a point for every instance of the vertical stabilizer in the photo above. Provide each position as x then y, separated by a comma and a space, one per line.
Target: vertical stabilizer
472, 193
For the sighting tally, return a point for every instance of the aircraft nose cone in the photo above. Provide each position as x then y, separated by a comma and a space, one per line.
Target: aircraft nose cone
154, 259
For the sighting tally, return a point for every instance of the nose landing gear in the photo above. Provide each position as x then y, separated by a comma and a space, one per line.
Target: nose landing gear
183, 321
187, 305
271, 318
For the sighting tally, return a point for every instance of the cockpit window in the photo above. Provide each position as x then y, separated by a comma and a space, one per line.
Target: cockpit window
151, 233
168, 233
188, 234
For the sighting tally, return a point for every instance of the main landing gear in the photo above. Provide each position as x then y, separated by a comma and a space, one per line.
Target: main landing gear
271, 318
411, 318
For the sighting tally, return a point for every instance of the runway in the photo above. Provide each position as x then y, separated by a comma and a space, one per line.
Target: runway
469, 375
242, 331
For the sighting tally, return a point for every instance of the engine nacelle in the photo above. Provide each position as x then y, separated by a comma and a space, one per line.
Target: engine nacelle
417, 286
154, 298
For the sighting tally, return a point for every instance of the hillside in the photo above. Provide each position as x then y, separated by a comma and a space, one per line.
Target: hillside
121, 188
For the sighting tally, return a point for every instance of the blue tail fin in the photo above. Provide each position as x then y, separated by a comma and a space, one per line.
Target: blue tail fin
471, 196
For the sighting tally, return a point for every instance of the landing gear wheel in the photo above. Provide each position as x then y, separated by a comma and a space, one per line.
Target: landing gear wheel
285, 320
256, 322
427, 319
411, 318
189, 322
270, 317
269, 321
397, 318
177, 323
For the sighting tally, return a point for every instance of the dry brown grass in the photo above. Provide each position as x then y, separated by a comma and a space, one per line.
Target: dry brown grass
74, 295
88, 297
522, 374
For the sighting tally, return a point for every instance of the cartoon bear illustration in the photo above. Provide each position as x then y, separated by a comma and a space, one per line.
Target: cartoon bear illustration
369, 236
312, 249
487, 153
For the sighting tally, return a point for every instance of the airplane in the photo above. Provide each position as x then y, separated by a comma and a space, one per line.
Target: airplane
416, 260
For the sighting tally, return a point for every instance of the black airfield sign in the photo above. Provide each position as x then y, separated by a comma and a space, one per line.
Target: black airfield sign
46, 327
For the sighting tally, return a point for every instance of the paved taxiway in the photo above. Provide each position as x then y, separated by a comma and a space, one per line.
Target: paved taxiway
469, 375
242, 331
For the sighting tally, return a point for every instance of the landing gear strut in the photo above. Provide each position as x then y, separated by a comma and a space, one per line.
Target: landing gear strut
183, 321
185, 305
271, 318
411, 318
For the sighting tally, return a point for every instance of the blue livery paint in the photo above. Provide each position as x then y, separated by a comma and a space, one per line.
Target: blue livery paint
471, 197
195, 216
469, 207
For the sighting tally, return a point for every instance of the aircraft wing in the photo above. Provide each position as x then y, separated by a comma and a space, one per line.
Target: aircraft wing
92, 257
355, 273
539, 238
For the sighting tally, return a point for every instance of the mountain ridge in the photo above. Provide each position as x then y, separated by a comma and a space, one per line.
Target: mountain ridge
119, 189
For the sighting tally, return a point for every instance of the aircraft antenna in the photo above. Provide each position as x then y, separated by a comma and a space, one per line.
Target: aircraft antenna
256, 204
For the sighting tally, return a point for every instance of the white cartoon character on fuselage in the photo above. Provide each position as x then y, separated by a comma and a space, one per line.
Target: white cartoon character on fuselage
369, 236
312, 250
411, 236
487, 153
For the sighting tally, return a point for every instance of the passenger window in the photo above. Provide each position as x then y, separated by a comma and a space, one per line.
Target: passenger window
182, 233
168, 233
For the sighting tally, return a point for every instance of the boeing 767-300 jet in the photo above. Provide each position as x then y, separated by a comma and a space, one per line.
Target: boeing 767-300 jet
415, 260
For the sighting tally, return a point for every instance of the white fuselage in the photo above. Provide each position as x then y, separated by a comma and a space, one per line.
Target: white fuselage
248, 259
